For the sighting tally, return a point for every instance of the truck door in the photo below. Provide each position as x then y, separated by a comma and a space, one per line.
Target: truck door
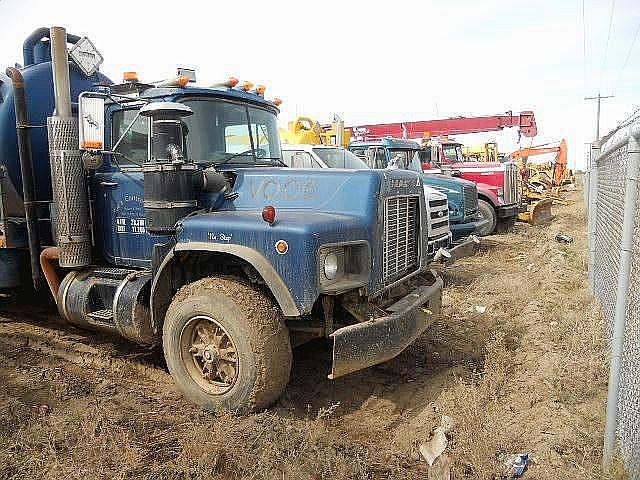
119, 193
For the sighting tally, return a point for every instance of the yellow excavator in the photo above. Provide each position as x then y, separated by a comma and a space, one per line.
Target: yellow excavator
307, 131
542, 182
551, 176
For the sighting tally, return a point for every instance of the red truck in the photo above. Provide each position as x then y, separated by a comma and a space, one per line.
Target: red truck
498, 190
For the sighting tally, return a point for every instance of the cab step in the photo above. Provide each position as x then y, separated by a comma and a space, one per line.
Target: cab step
102, 316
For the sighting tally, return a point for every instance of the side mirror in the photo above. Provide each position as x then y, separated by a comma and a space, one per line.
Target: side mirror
91, 123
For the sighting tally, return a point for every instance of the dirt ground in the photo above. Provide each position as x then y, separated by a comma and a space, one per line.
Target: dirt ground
516, 360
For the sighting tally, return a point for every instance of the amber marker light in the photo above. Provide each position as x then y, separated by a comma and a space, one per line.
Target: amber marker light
92, 145
282, 247
130, 76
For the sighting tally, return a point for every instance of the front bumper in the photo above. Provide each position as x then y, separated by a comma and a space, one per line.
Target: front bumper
505, 211
436, 244
368, 343
465, 248
460, 230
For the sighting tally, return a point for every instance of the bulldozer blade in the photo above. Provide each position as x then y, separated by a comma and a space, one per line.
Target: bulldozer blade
540, 212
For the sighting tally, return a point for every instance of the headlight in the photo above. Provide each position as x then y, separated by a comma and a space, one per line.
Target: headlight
331, 266
344, 265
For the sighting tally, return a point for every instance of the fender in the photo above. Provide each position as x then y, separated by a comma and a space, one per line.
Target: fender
253, 257
486, 193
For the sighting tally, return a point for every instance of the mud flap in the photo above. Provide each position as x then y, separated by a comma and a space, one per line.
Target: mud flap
368, 343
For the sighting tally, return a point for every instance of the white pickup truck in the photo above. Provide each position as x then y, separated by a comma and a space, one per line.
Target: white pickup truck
331, 156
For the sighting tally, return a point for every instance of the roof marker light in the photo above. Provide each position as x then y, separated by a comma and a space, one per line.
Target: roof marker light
230, 83
246, 86
130, 77
260, 89
277, 102
177, 82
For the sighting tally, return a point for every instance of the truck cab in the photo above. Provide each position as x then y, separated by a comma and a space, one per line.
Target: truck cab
166, 216
331, 156
462, 196
497, 183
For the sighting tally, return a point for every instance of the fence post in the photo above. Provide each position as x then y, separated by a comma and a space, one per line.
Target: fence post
622, 294
592, 210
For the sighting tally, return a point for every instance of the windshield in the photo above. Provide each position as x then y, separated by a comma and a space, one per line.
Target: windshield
339, 158
452, 153
226, 132
406, 160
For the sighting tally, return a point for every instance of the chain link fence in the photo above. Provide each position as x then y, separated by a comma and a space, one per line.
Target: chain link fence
614, 247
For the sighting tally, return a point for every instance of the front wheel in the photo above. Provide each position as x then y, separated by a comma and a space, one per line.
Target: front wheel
487, 212
226, 345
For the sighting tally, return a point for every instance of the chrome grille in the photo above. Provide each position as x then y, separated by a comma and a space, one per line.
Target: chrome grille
511, 190
470, 196
401, 234
438, 218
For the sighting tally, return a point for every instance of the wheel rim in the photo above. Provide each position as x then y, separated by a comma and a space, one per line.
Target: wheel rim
486, 228
209, 354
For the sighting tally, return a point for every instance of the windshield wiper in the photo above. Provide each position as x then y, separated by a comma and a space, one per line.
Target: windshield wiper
253, 151
277, 162
234, 155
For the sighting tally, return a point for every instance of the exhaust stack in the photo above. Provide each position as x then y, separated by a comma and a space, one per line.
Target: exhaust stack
71, 227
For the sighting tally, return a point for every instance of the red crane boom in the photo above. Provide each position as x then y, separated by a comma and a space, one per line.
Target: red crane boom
524, 121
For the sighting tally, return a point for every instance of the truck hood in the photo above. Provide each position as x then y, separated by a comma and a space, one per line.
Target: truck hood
352, 192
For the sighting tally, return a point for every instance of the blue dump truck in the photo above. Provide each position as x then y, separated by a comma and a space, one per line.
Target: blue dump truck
462, 195
160, 213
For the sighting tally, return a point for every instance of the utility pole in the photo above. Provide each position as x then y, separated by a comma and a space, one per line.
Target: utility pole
598, 98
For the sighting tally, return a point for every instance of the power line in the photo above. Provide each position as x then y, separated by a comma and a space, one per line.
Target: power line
584, 50
626, 60
606, 46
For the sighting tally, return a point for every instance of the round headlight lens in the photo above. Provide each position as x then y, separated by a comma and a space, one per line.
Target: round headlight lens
331, 266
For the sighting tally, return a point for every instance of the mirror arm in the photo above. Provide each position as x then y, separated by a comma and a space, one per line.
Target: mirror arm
126, 130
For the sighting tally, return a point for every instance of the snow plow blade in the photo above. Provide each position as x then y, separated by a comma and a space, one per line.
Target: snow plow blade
368, 343
538, 213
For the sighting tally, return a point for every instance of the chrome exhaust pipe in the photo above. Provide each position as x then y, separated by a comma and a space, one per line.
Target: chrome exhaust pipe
70, 202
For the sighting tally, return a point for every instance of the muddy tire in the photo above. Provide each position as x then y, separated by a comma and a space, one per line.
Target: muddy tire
226, 345
487, 212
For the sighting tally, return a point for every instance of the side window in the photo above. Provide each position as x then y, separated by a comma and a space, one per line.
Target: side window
435, 156
134, 143
425, 155
369, 157
375, 157
287, 156
302, 160
298, 159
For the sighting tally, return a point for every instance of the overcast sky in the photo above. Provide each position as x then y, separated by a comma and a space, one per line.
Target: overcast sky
375, 62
